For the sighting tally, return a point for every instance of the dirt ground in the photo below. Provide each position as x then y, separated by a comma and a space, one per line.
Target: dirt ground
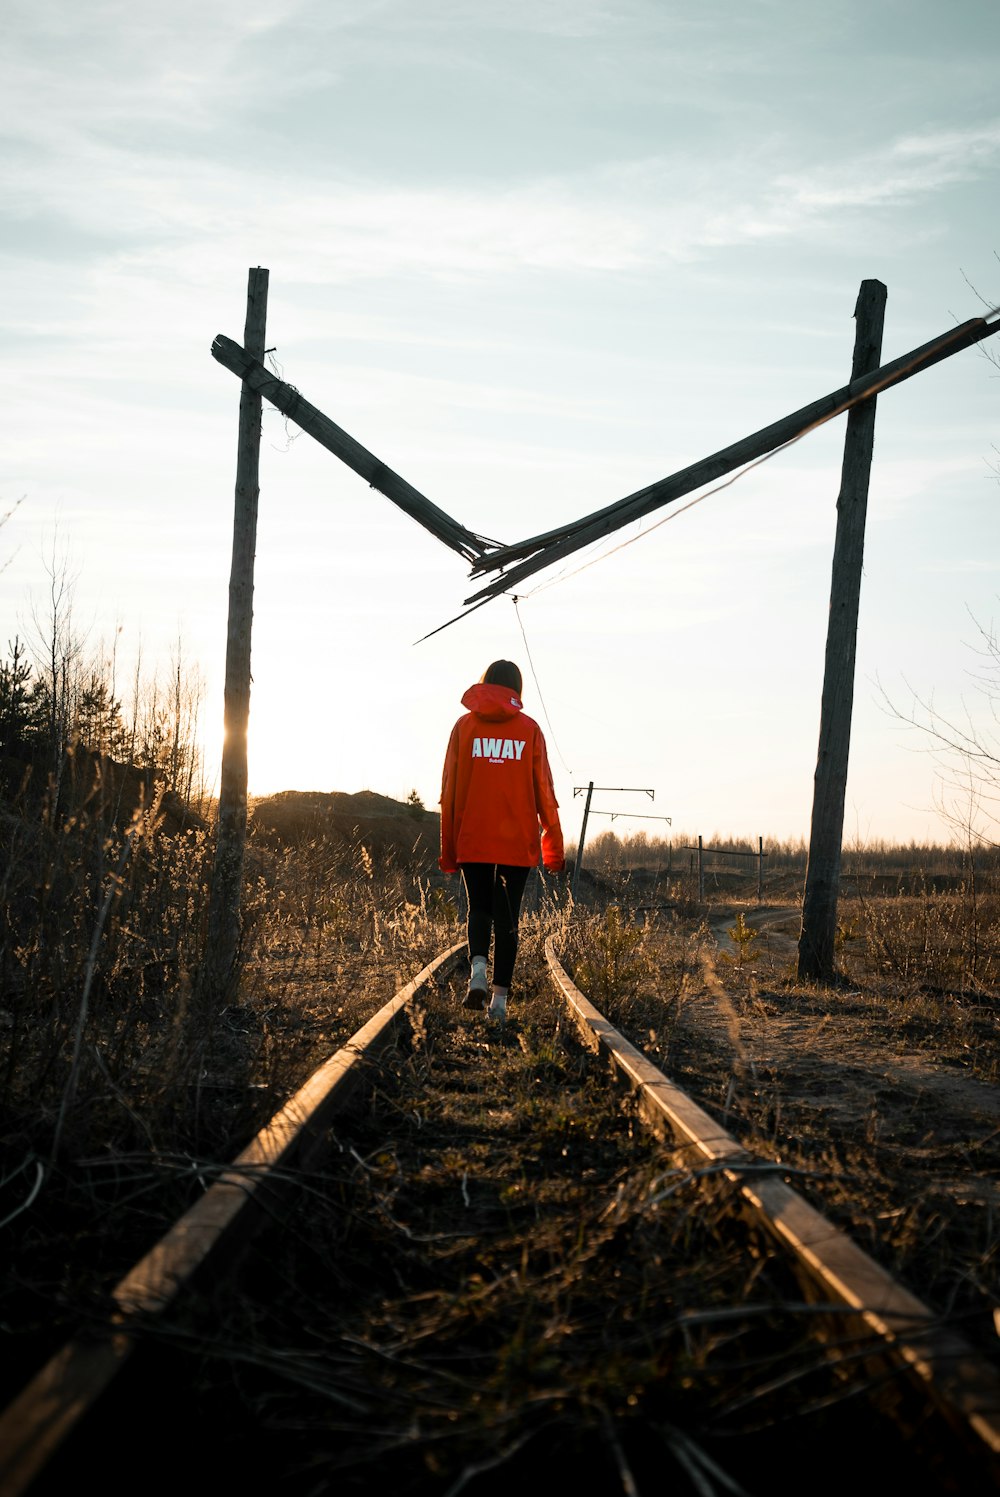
877, 1103
832, 1050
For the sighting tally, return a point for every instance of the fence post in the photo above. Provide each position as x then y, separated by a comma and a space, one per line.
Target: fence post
819, 904
701, 871
760, 869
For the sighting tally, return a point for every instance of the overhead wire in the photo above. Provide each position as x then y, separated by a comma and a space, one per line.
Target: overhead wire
564, 576
674, 514
992, 315
529, 557
534, 675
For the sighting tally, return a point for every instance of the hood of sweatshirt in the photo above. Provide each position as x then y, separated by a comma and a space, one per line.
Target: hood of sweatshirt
495, 703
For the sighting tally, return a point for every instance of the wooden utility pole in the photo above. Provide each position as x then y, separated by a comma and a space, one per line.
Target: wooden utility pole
819, 906
583, 834
624, 789
223, 938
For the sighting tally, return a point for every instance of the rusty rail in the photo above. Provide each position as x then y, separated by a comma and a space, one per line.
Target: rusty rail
960, 1384
36, 1424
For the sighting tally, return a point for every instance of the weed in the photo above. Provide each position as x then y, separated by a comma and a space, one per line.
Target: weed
608, 957
744, 938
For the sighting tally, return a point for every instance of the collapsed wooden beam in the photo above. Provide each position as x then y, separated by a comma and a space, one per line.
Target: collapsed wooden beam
551, 546
292, 404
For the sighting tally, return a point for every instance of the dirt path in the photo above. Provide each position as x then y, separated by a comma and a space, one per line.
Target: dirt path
871, 1095
780, 925
833, 1041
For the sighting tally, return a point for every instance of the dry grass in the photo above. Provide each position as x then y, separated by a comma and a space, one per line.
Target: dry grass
498, 1269
117, 1086
879, 1094
520, 1262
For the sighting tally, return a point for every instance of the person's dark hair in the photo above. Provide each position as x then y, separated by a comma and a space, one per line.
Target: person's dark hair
503, 673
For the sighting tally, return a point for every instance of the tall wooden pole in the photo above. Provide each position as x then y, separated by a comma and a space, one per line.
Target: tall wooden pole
222, 944
819, 906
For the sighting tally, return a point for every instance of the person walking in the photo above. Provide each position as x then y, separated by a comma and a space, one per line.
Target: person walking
499, 813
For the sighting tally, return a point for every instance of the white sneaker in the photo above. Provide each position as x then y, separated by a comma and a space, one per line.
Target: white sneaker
478, 989
498, 1008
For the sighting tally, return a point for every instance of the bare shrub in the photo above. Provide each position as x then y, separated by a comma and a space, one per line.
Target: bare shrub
940, 941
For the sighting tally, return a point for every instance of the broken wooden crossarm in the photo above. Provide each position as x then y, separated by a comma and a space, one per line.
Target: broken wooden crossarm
542, 550
329, 435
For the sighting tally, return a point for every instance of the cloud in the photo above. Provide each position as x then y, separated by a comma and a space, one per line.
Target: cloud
904, 172
199, 216
560, 18
70, 73
907, 169
132, 125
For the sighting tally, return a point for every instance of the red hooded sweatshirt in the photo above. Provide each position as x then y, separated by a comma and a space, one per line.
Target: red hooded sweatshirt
497, 798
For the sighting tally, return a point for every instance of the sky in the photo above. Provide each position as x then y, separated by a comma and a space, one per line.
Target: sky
533, 257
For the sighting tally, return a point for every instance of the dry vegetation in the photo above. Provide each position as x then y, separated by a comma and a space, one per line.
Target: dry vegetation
879, 1094
496, 1270
121, 1088
119, 1081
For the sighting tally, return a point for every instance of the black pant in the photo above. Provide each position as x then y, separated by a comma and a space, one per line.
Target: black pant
495, 892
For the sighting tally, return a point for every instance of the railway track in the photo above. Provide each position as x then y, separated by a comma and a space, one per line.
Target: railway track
500, 1260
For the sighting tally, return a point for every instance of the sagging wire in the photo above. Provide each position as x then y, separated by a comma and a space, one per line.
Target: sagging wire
644, 530
534, 676
993, 315
676, 513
